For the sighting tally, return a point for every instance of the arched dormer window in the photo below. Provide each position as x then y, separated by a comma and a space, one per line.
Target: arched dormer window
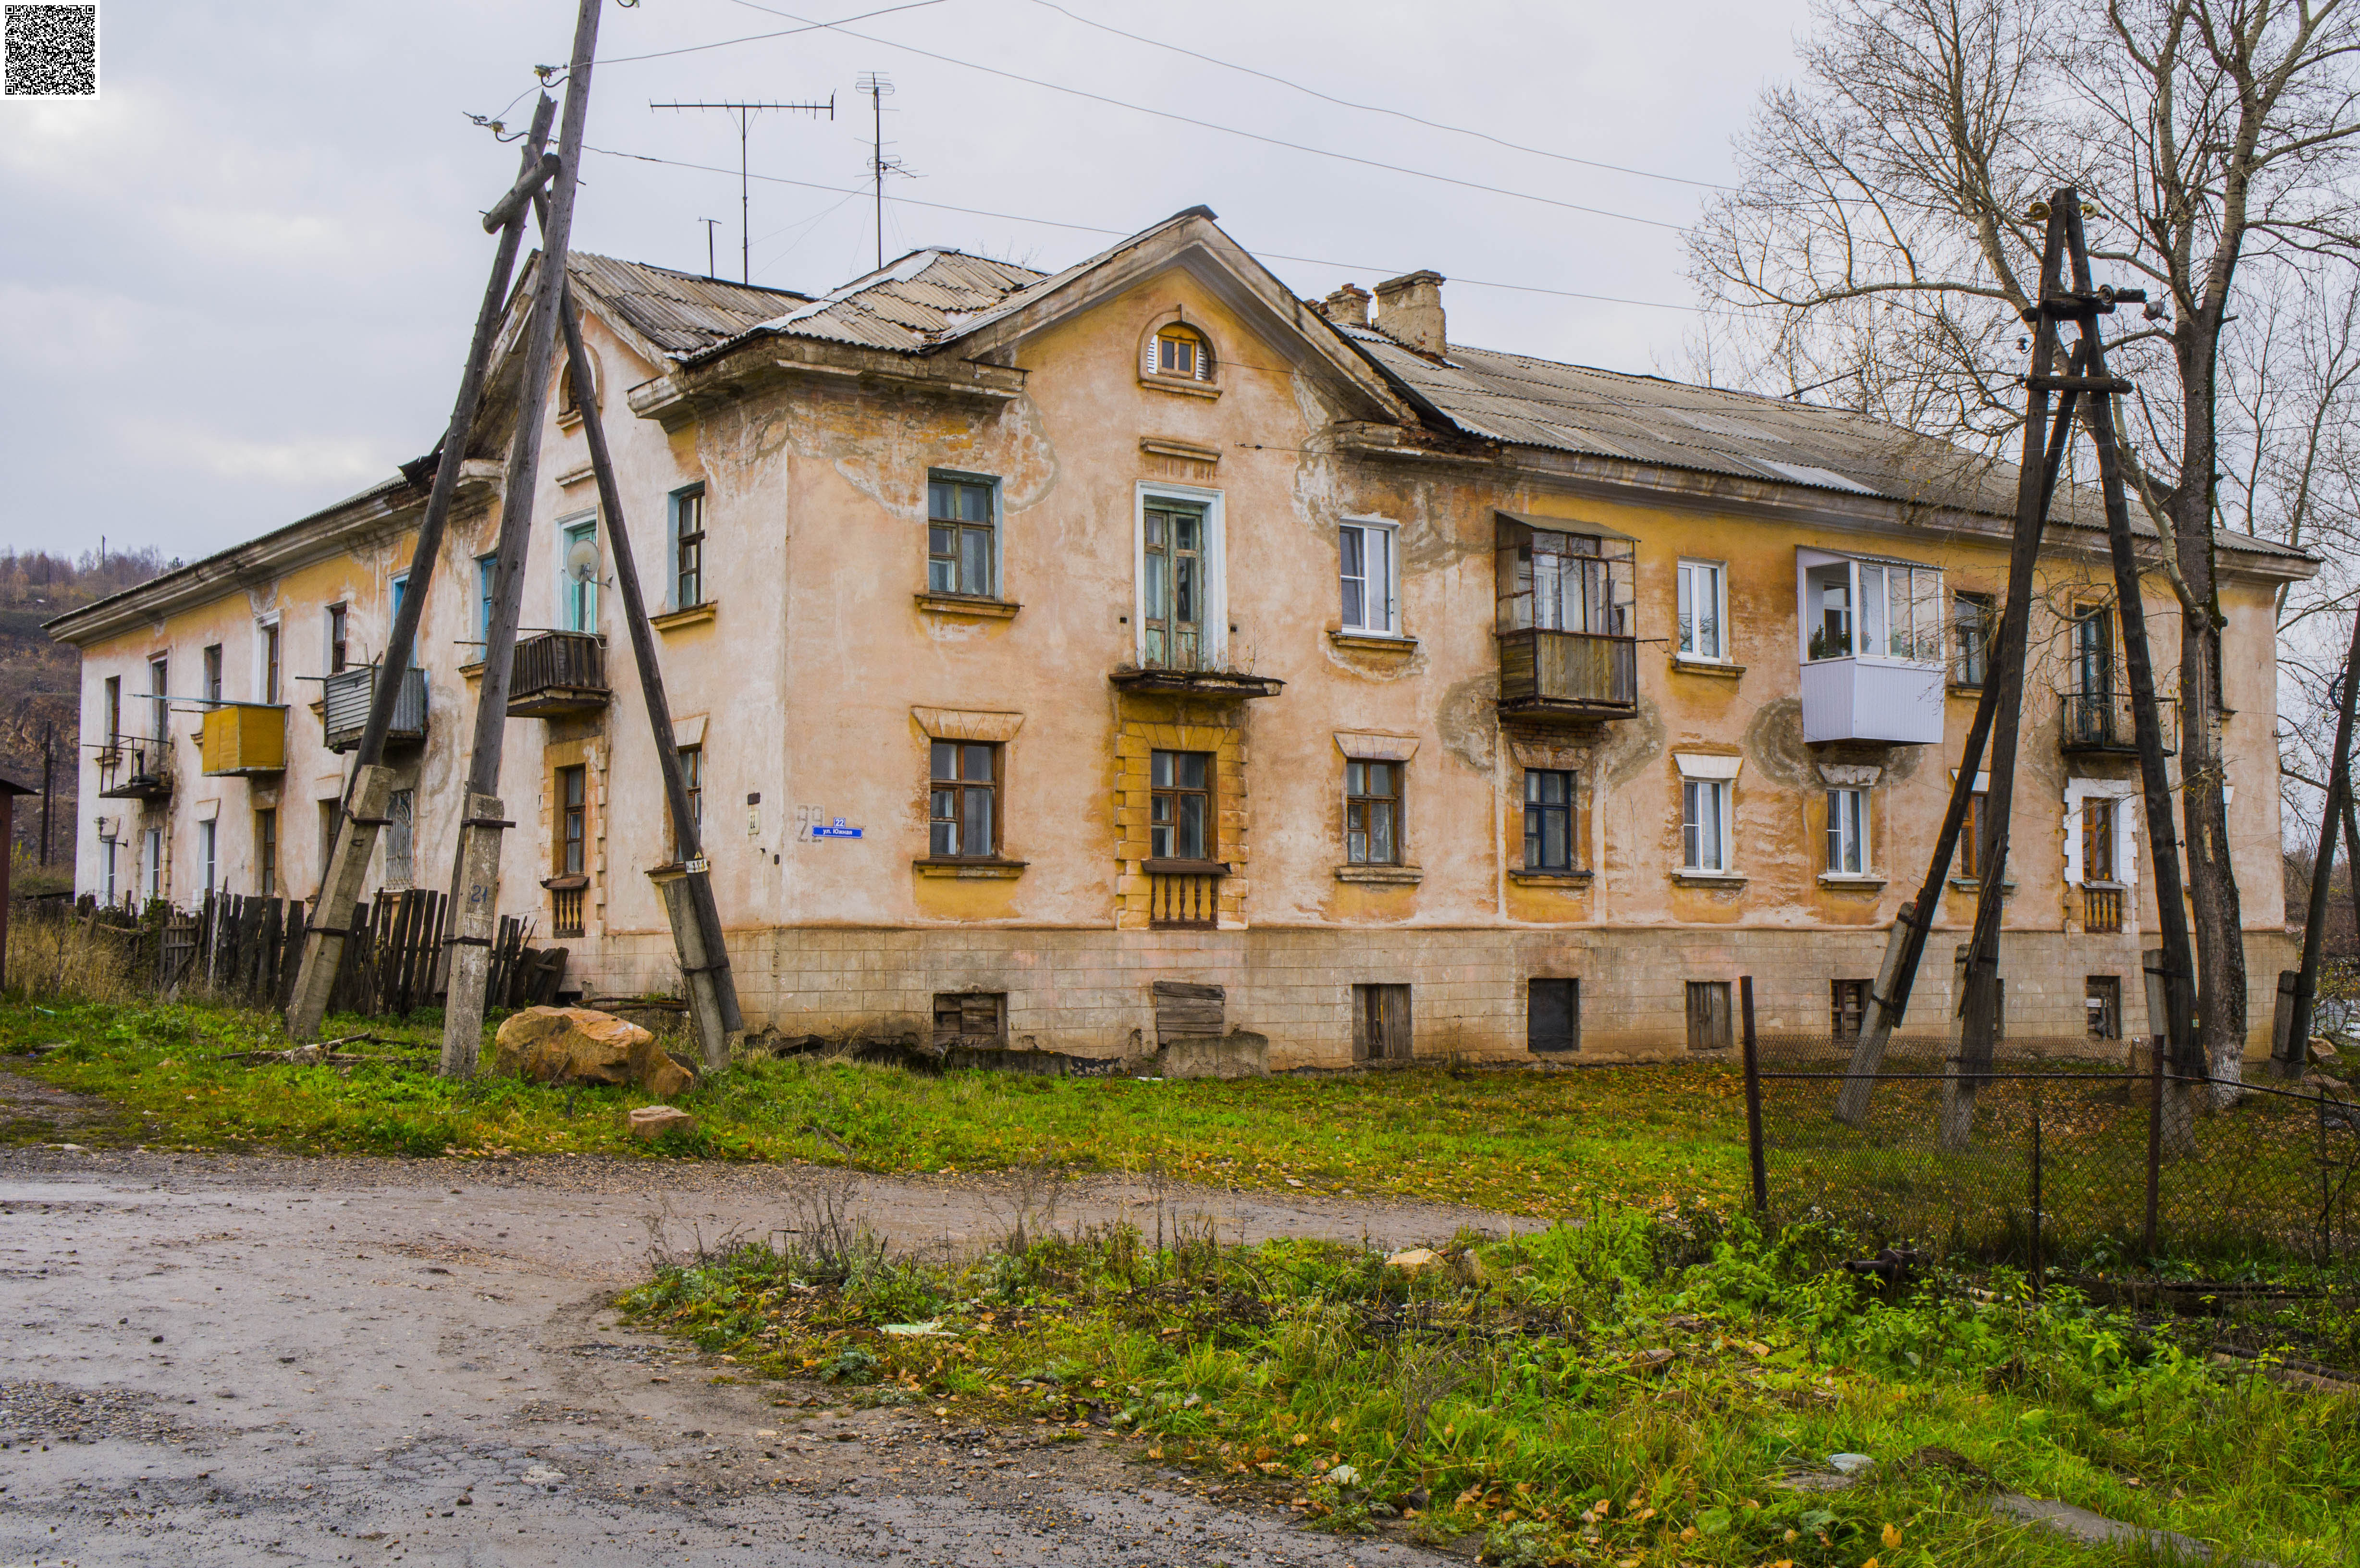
1180, 352
569, 405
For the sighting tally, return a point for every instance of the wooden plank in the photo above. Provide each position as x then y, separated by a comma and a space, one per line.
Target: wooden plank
1186, 988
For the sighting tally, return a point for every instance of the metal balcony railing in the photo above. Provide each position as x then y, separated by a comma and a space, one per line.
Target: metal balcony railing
2102, 723
1567, 674
344, 706
143, 771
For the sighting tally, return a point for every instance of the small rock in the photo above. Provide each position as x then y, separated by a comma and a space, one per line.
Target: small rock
2321, 1049
1850, 1463
1415, 1260
1651, 1360
654, 1121
1468, 1266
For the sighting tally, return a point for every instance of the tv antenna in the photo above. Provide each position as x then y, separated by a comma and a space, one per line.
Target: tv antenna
743, 114
710, 225
880, 87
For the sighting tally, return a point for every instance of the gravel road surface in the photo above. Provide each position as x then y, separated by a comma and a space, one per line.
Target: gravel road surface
250, 1360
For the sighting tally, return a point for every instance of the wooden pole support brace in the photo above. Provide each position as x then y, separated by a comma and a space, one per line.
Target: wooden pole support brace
487, 822
468, 942
527, 187
2078, 384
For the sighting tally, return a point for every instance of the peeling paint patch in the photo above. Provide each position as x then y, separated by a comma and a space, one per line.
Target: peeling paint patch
1466, 717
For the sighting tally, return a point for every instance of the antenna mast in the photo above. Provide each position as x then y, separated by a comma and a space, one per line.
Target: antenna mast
744, 115
880, 87
710, 225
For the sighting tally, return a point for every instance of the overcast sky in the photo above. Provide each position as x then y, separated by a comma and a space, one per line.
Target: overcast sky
239, 285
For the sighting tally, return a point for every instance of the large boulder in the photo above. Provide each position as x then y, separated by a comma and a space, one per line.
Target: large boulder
579, 1045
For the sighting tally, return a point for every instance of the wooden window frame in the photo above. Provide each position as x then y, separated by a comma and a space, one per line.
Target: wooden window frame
339, 637
572, 836
692, 778
1174, 793
272, 679
688, 535
959, 788
1970, 649
1971, 836
2098, 831
2102, 617
1164, 355
1364, 807
949, 564
210, 672
265, 851
1537, 814
964, 1009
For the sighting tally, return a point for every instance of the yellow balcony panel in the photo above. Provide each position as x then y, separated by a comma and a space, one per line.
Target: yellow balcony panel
240, 740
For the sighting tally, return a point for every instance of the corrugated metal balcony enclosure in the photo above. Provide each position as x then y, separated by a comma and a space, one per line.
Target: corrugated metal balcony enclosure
345, 707
556, 673
240, 740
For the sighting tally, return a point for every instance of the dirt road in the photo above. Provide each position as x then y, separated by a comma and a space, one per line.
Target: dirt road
229, 1361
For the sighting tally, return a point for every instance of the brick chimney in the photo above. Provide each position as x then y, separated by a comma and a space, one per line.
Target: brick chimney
1348, 307
1409, 310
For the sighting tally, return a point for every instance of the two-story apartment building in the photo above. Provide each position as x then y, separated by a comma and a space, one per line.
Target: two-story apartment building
1050, 649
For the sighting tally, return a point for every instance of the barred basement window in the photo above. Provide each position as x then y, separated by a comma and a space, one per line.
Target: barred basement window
975, 1019
2103, 995
1847, 1007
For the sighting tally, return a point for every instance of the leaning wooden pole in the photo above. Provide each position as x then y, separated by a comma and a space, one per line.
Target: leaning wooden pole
2183, 1048
1982, 1021
696, 937
370, 788
1906, 948
475, 899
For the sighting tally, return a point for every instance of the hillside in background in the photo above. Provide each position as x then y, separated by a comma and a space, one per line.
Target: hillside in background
40, 684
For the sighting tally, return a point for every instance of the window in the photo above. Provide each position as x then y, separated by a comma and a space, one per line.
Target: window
208, 854
1872, 609
1182, 352
265, 853
159, 681
151, 865
1549, 841
111, 716
107, 870
331, 816
573, 820
1848, 833
486, 568
2098, 840
1565, 581
577, 590
1372, 801
339, 634
269, 682
1180, 806
974, 1019
1380, 1023
212, 673
1174, 577
1701, 609
959, 544
1847, 1007
688, 547
1707, 1012
2093, 653
569, 395
1553, 1015
692, 778
1971, 838
1974, 619
2103, 996
1367, 556
1704, 824
400, 838
964, 816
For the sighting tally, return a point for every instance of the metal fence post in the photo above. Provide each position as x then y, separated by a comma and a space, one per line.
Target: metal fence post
2036, 1268
1754, 1098
2154, 1136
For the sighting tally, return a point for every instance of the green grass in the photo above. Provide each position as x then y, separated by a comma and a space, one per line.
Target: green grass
1520, 1408
1524, 1143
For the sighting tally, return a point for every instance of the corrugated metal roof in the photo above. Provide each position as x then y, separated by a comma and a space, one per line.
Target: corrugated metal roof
677, 311
1522, 401
922, 299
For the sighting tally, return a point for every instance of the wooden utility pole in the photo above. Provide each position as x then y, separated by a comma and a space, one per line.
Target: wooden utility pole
1982, 1023
371, 785
686, 884
475, 900
2333, 814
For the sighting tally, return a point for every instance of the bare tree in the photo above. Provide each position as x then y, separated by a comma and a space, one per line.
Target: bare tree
1880, 243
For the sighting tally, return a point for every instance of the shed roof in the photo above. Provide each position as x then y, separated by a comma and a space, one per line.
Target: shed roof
678, 312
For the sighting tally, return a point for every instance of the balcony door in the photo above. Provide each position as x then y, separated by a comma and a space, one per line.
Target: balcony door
1172, 607
577, 595
2093, 649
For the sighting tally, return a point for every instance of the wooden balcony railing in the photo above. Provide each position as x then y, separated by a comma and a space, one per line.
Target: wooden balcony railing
557, 672
344, 705
565, 910
2102, 910
1573, 675
1185, 895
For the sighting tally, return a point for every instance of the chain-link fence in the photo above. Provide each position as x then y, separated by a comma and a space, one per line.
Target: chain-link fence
2045, 1157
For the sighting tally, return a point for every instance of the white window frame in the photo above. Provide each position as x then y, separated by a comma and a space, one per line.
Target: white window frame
1216, 568
209, 852
160, 728
107, 843
151, 865
1387, 621
1694, 793
1689, 570
566, 526
2128, 824
1937, 599
264, 625
1849, 840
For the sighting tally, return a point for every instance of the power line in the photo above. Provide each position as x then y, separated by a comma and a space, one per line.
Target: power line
759, 37
1118, 234
1217, 126
1373, 108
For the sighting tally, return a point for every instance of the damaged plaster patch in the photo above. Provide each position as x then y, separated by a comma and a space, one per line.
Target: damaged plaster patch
1467, 720
1773, 742
1632, 745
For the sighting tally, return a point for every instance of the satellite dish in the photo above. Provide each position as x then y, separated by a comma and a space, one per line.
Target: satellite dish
582, 561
